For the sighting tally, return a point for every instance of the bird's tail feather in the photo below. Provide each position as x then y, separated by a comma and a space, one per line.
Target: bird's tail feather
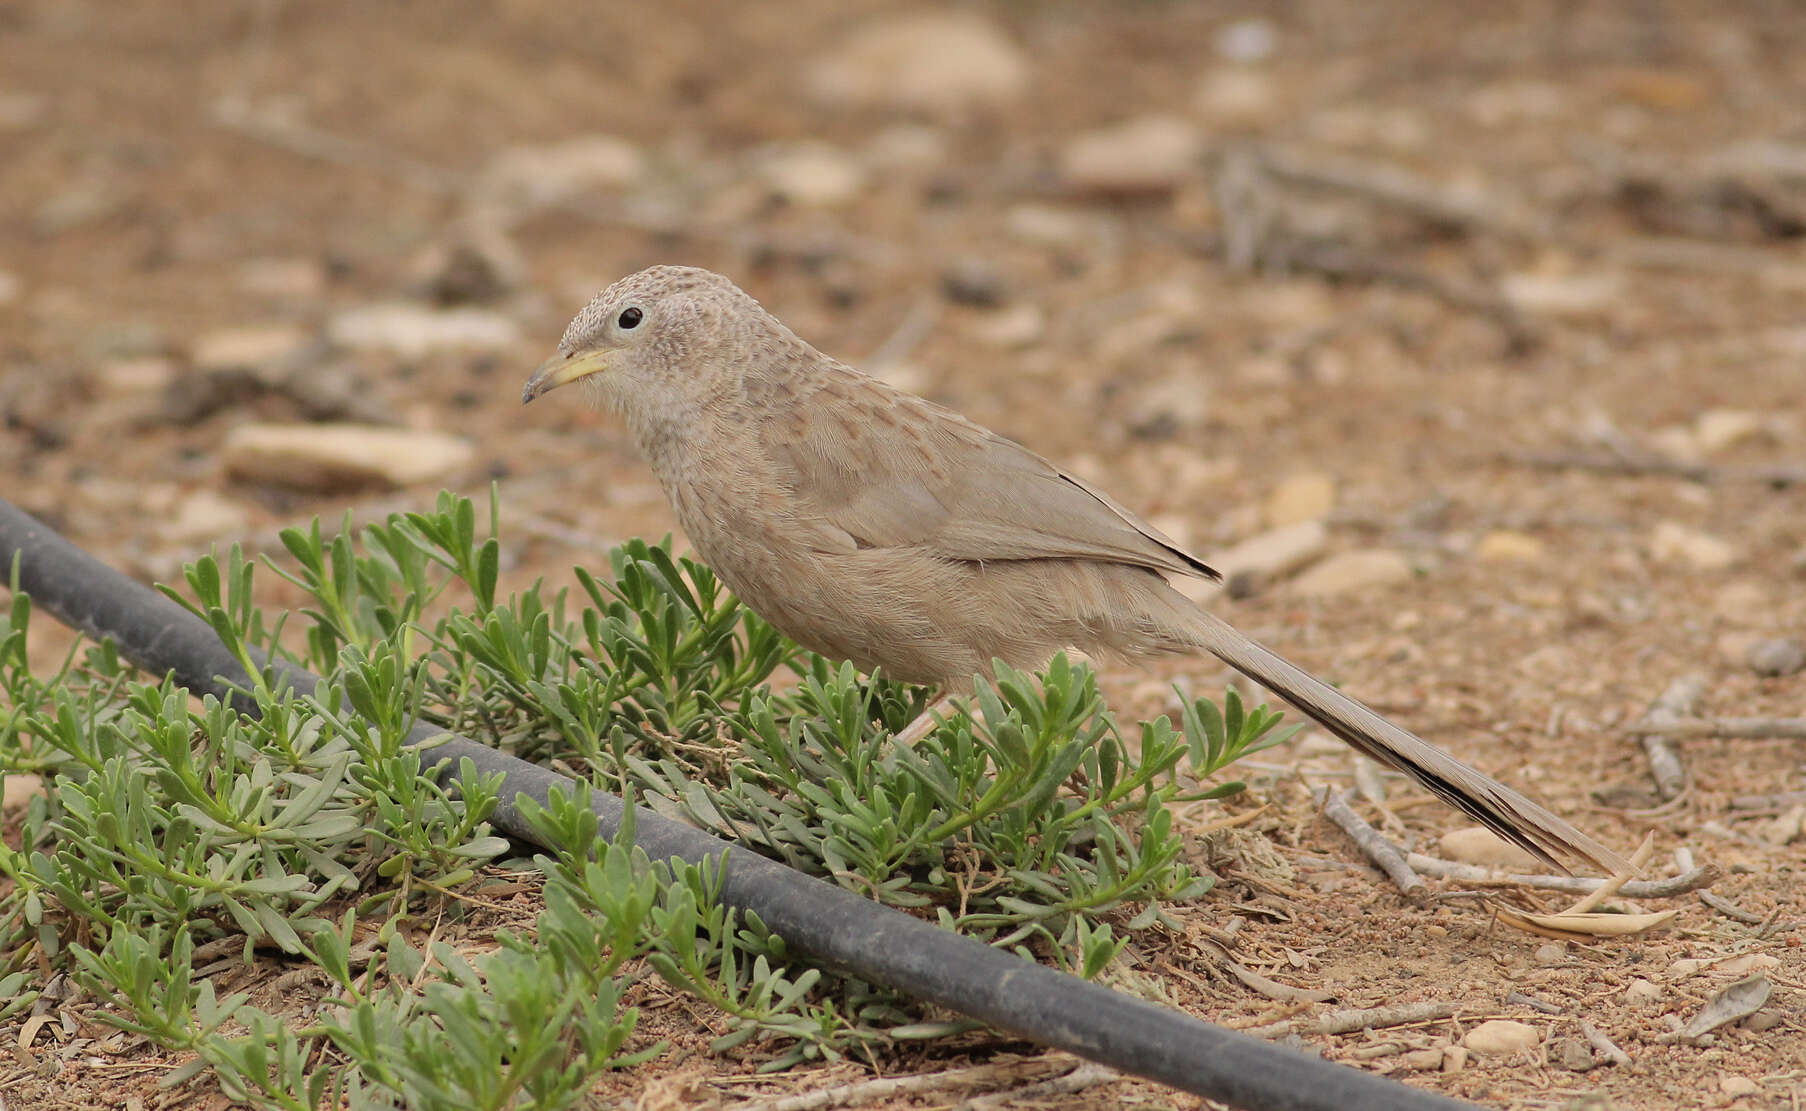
1506, 812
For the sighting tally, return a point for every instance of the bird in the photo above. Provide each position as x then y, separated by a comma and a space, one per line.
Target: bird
872, 525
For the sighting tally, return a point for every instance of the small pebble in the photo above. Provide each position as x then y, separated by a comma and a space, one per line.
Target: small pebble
1776, 656
1013, 328
336, 456
1719, 429
1507, 546
1354, 570
1502, 1035
412, 331
1301, 497
1152, 154
1674, 542
1479, 845
201, 515
1258, 560
1737, 1086
1641, 991
1247, 40
938, 62
20, 788
974, 281
251, 348
811, 175
538, 177
1572, 1054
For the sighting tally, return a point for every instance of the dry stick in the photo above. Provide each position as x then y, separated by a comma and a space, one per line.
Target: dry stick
1341, 263
1254, 238
1604, 1045
1640, 464
1780, 801
1616, 881
1692, 880
1087, 1075
1786, 729
1366, 1018
1676, 703
1399, 188
871, 1091
1729, 909
1379, 850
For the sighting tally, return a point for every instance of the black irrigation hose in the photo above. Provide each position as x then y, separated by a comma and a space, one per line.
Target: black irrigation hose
835, 927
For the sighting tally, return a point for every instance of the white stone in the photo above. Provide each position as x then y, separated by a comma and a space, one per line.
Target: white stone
1479, 845
19, 790
137, 375
1301, 497
1774, 657
254, 347
812, 175
1719, 429
1641, 991
1235, 96
1562, 294
1736, 1086
1047, 226
1018, 326
935, 62
1247, 40
1673, 542
1356, 570
1509, 546
536, 177
412, 330
1676, 442
337, 456
296, 278
1273, 554
201, 515
907, 146
1150, 154
1502, 1035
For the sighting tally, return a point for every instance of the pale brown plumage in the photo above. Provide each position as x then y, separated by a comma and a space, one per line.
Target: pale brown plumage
871, 525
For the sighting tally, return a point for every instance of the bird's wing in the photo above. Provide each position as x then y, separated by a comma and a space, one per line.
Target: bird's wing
892, 470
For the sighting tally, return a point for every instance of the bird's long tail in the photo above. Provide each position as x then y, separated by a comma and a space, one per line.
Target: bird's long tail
1503, 810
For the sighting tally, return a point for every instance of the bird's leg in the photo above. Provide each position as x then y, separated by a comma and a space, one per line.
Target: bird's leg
925, 721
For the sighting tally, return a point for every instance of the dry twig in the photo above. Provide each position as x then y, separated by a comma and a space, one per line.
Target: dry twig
1641, 464
1379, 850
1729, 909
1604, 1045
864, 1092
1365, 1018
1693, 880
1791, 729
1675, 704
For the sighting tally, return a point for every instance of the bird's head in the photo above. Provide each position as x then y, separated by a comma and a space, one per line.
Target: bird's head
663, 335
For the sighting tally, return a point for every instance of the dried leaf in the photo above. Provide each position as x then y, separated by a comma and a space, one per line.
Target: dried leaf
1569, 926
1741, 1000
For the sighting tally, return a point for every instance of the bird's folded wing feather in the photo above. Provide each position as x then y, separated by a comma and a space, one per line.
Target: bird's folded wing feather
891, 470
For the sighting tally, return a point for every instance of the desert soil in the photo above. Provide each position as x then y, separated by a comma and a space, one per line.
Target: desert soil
1508, 297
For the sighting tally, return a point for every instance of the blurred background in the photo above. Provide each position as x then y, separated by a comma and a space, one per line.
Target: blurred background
1470, 337
1434, 279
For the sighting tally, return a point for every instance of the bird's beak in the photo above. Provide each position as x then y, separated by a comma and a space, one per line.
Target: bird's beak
561, 370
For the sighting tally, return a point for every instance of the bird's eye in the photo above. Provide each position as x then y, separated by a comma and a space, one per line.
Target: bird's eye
630, 317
